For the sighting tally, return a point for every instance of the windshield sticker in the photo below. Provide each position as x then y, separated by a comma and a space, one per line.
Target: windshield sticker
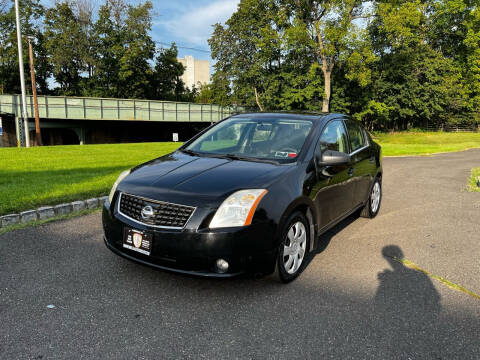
292, 155
282, 154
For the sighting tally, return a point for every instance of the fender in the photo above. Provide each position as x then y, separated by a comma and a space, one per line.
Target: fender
311, 215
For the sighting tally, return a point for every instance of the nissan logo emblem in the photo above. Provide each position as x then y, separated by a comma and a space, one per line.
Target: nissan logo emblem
147, 212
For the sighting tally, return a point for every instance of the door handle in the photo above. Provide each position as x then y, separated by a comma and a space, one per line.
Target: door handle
350, 171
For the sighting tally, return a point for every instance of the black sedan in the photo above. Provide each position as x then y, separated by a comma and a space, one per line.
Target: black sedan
251, 193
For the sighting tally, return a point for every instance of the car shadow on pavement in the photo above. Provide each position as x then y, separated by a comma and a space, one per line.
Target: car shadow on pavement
324, 240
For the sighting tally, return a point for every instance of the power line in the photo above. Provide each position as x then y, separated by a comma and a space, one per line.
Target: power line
184, 47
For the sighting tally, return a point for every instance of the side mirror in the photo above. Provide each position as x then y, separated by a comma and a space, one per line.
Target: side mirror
332, 158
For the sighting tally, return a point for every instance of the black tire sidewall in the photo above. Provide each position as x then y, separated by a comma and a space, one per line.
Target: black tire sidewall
281, 272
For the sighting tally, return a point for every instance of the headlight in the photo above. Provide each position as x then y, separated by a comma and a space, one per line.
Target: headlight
238, 209
122, 176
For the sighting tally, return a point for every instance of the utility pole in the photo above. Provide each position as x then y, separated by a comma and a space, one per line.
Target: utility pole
22, 75
38, 137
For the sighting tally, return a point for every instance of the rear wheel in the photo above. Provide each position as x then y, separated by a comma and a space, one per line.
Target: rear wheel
293, 248
374, 200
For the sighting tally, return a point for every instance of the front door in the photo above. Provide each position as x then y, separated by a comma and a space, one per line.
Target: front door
334, 187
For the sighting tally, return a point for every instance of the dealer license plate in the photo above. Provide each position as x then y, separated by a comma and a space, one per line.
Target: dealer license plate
137, 240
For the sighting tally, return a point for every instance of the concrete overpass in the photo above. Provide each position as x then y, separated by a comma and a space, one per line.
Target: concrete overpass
81, 113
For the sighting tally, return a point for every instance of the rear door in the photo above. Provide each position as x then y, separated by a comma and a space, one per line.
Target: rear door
333, 190
362, 161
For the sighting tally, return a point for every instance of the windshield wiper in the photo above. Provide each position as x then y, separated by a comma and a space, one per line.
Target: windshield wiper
189, 152
235, 157
246, 158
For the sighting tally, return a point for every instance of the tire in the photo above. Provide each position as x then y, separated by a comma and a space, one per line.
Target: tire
295, 241
372, 207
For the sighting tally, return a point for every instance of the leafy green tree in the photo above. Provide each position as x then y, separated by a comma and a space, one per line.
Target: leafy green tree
108, 49
330, 31
66, 44
414, 78
472, 58
205, 95
166, 81
247, 50
221, 89
43, 67
30, 15
279, 52
217, 92
135, 71
123, 50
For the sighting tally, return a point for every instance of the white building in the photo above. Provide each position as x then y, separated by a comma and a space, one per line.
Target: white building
197, 72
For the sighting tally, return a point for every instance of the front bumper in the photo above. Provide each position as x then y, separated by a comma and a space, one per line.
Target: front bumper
191, 251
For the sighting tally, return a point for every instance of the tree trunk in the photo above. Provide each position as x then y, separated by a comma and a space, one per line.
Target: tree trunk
257, 99
328, 86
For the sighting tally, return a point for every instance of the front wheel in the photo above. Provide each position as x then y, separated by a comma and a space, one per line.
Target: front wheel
374, 200
293, 248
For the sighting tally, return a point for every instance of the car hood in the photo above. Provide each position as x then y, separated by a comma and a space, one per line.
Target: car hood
198, 181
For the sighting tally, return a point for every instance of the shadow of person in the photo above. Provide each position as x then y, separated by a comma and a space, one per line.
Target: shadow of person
407, 307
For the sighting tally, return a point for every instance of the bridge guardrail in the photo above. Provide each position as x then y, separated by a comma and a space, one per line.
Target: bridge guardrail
83, 108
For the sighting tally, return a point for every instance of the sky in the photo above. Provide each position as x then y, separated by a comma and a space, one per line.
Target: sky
188, 23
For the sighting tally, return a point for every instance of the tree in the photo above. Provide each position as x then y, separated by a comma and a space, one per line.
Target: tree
329, 29
108, 44
166, 82
30, 14
246, 51
123, 50
275, 51
472, 58
415, 80
217, 92
135, 71
205, 95
67, 45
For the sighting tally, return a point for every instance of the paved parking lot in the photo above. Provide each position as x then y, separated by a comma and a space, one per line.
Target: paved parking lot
64, 295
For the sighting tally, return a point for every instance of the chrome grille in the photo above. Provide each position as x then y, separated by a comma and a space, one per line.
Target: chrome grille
164, 214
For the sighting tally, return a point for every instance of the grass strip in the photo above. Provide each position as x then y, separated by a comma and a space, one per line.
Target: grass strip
451, 285
6, 229
474, 180
50, 175
425, 143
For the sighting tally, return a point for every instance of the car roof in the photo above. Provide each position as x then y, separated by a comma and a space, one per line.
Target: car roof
301, 115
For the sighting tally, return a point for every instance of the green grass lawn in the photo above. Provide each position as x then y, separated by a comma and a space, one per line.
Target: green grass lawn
53, 174
472, 184
50, 175
425, 143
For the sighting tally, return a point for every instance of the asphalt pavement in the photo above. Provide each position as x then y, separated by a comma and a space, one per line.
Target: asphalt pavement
64, 295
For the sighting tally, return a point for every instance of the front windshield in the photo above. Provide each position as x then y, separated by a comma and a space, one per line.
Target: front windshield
266, 138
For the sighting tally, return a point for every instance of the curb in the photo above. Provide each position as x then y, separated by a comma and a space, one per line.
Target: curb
47, 212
